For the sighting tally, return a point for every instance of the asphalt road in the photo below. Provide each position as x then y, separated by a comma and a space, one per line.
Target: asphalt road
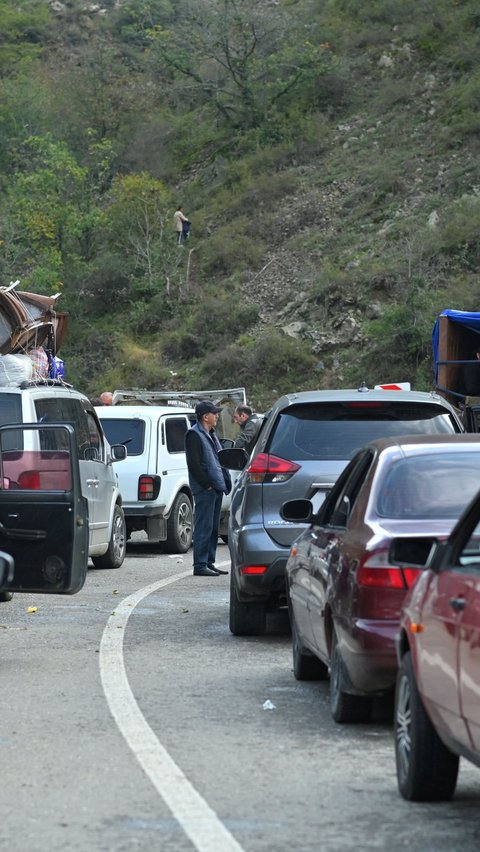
131, 719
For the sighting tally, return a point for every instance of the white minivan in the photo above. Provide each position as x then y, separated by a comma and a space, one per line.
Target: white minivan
153, 477
51, 402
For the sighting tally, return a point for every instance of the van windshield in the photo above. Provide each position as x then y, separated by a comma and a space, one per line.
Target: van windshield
336, 431
129, 432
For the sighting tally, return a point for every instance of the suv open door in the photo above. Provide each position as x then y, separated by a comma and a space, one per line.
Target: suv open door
43, 515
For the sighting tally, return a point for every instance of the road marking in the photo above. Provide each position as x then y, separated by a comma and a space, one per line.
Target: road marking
199, 822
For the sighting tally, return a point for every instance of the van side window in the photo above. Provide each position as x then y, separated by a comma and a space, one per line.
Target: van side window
64, 410
95, 437
175, 429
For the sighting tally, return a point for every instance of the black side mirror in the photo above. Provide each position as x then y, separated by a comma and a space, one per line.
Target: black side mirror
118, 452
227, 443
300, 511
233, 459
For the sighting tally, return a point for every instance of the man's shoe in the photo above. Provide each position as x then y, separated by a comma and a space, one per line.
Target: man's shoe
217, 570
204, 572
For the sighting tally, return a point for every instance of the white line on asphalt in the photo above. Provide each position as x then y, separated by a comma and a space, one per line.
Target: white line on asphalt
201, 824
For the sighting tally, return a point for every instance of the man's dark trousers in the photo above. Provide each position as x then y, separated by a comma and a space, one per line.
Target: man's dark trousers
205, 532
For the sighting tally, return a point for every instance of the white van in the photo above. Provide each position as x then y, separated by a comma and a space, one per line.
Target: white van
153, 477
51, 402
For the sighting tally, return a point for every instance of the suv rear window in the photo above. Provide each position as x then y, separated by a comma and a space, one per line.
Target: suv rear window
129, 432
336, 431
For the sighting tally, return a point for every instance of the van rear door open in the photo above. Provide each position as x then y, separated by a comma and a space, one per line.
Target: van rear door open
43, 515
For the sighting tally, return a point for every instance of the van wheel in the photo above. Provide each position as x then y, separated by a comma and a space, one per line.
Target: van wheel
5, 596
115, 554
180, 525
246, 619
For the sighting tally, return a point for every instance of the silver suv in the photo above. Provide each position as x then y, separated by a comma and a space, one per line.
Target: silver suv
304, 444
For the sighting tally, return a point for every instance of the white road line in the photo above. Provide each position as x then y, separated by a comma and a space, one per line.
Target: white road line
201, 824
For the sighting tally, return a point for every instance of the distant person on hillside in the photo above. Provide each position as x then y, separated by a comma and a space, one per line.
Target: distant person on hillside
249, 427
181, 222
471, 376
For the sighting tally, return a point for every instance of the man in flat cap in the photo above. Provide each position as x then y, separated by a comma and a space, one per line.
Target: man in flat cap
209, 481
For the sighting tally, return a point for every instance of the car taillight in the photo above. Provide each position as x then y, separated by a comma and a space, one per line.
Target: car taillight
410, 575
148, 487
268, 468
253, 569
29, 479
375, 572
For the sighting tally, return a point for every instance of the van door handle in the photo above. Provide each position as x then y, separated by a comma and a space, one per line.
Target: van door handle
92, 481
458, 604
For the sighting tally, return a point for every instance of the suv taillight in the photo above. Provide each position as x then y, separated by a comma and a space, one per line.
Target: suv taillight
148, 487
375, 572
268, 468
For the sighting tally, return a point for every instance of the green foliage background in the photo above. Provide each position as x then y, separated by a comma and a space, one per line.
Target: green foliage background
335, 140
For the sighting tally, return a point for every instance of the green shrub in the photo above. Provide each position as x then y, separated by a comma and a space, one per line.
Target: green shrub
229, 250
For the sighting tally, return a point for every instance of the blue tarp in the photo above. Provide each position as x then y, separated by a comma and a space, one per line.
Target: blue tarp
470, 319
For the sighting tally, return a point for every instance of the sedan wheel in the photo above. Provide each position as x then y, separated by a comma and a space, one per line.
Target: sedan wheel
344, 706
305, 665
426, 769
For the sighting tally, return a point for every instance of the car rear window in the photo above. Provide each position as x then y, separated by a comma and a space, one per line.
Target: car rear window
430, 486
129, 432
336, 431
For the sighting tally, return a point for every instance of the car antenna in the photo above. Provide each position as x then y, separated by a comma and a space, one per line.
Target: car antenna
363, 388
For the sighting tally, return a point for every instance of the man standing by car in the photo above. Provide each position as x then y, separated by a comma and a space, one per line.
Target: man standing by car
249, 427
209, 481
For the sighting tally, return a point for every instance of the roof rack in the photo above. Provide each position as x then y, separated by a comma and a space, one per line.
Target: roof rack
188, 399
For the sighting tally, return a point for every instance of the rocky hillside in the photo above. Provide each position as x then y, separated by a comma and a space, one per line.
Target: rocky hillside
326, 155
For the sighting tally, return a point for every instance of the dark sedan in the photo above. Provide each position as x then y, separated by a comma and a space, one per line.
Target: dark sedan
344, 594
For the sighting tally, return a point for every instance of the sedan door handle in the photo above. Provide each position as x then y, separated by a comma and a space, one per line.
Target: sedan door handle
458, 604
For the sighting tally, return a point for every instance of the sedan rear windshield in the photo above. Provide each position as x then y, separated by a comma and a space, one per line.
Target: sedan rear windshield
128, 432
430, 486
336, 431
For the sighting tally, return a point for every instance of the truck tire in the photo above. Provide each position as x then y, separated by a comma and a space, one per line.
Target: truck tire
115, 554
246, 619
180, 525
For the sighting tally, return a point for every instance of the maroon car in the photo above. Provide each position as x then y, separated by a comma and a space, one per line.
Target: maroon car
344, 593
437, 702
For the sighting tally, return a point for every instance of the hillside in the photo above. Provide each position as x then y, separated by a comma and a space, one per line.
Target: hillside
326, 155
